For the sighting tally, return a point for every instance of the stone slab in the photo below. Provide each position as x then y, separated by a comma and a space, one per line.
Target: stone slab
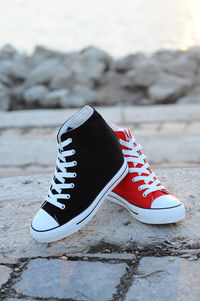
34, 118
173, 150
48, 118
160, 148
165, 128
28, 152
130, 114
102, 256
30, 148
13, 299
70, 279
161, 113
5, 259
4, 274
143, 129
112, 256
165, 279
21, 197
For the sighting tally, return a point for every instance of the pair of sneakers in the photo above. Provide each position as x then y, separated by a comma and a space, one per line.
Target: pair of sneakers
97, 160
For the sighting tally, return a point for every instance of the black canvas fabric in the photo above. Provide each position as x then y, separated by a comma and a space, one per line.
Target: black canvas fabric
99, 157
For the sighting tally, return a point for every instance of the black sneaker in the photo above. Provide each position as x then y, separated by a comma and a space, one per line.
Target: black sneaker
90, 164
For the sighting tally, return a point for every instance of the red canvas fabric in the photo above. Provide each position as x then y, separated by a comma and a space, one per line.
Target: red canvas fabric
129, 189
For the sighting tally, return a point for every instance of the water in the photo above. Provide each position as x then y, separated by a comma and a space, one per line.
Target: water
119, 27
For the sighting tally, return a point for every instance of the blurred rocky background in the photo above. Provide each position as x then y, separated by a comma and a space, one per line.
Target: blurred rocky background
54, 79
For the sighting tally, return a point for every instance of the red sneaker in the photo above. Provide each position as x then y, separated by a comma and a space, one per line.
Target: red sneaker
140, 192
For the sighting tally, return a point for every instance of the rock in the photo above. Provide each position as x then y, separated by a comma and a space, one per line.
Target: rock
181, 66
143, 76
15, 69
17, 97
7, 51
4, 98
17, 92
110, 78
42, 54
145, 101
109, 95
65, 79
20, 66
5, 66
18, 70
98, 54
110, 90
79, 96
64, 98
127, 63
194, 53
72, 101
85, 68
91, 69
165, 55
35, 94
4, 79
193, 97
47, 53
168, 88
43, 73
54, 98
92, 76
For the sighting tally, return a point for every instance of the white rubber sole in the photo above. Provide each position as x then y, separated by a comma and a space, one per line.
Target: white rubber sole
150, 216
82, 219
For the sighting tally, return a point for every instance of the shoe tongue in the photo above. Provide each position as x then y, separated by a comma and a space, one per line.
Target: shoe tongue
125, 135
61, 138
65, 136
122, 135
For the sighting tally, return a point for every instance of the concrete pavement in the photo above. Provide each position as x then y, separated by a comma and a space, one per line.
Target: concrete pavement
110, 252
112, 224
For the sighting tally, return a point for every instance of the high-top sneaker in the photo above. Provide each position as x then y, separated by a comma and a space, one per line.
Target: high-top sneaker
90, 164
140, 192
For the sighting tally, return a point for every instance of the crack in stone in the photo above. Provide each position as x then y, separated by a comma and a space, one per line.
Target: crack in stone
6, 289
25, 297
126, 281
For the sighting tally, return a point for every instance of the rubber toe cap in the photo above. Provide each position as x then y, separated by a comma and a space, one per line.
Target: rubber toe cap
165, 201
43, 221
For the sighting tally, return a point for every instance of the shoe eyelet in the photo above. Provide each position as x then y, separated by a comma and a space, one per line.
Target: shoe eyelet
144, 195
68, 196
75, 163
73, 151
74, 175
63, 207
133, 180
139, 188
70, 140
72, 185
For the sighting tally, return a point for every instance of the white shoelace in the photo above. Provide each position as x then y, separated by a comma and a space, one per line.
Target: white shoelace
135, 157
61, 175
